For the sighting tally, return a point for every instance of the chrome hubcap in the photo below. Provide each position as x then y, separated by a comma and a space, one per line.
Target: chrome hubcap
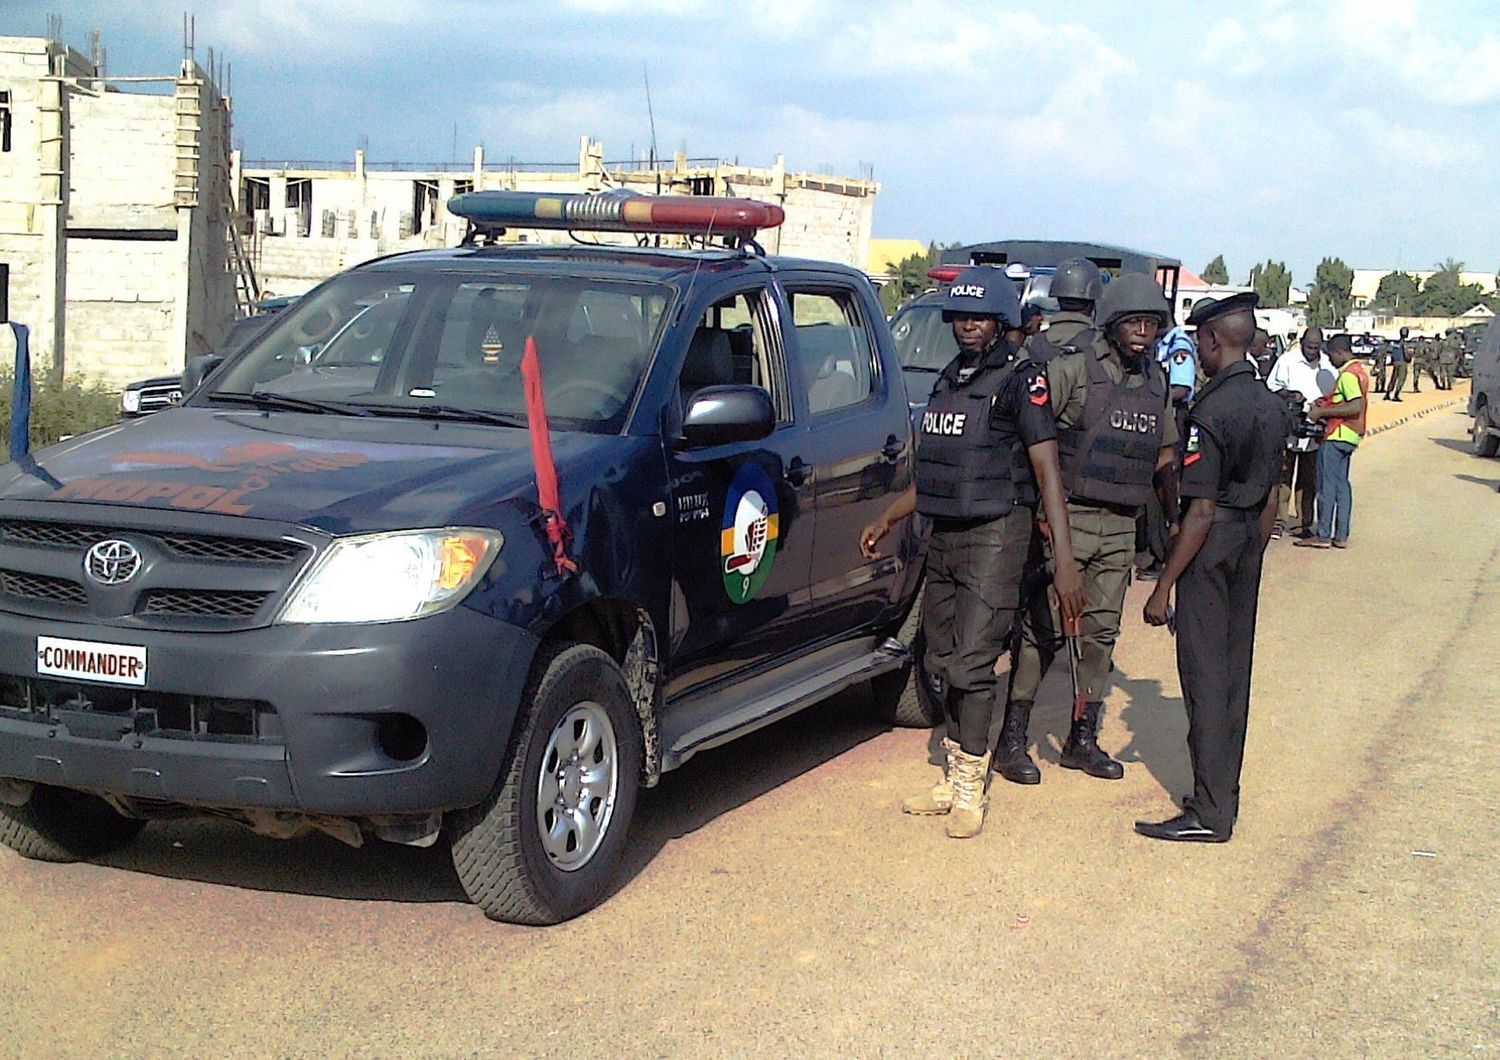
577, 787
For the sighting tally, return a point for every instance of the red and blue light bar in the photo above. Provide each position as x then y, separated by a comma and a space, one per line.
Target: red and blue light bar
614, 211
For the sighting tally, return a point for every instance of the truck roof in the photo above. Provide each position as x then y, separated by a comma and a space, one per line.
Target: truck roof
662, 265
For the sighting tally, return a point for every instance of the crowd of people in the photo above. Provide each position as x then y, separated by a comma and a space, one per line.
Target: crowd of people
1047, 459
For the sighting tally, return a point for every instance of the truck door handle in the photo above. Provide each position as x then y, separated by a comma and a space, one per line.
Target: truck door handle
892, 450
796, 472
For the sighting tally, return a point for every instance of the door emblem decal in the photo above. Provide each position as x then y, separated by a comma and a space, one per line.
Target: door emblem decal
747, 541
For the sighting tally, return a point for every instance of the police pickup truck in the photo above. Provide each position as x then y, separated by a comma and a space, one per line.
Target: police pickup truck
467, 544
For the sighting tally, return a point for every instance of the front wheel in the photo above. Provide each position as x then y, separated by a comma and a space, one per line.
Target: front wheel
59, 825
908, 698
544, 846
1485, 443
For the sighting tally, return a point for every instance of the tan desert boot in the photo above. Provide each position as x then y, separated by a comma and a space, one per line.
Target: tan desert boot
969, 800
940, 798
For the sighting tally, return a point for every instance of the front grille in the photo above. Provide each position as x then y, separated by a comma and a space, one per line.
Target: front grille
51, 535
106, 712
42, 587
202, 603
231, 549
188, 546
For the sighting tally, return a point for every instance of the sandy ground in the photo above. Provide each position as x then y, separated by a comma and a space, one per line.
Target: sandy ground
776, 901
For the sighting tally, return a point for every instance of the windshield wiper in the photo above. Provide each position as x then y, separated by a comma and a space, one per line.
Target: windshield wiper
265, 399
449, 412
920, 368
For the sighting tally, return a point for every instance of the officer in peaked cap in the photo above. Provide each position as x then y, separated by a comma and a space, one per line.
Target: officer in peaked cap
1230, 469
1118, 442
986, 455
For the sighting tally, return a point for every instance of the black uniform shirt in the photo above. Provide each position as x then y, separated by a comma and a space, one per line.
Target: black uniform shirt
1235, 433
1022, 412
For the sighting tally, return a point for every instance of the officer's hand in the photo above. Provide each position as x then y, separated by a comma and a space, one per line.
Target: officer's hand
870, 537
1069, 585
1155, 612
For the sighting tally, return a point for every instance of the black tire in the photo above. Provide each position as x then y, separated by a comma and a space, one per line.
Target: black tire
63, 826
1485, 443
498, 847
905, 698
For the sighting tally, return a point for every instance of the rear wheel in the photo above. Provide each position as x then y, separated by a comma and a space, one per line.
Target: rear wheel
544, 846
59, 825
907, 697
1485, 443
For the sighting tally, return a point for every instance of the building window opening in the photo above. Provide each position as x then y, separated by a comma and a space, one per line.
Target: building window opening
299, 201
423, 204
700, 185
4, 121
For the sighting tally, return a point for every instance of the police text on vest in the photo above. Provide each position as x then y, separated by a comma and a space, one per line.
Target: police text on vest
947, 423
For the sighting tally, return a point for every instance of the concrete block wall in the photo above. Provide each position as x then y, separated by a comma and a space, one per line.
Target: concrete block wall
122, 159
122, 297
30, 201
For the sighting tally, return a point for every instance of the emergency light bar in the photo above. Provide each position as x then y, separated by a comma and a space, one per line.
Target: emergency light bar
617, 211
949, 273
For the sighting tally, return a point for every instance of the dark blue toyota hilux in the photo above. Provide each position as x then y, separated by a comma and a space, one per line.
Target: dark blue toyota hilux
466, 544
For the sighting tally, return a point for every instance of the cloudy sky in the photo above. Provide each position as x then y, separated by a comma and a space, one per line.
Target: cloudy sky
1366, 129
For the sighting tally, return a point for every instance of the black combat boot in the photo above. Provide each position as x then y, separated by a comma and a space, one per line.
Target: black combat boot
1082, 749
1011, 760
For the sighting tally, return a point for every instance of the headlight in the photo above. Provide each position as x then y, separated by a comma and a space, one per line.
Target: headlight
130, 401
393, 577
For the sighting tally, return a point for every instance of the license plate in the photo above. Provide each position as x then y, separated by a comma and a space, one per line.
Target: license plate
87, 660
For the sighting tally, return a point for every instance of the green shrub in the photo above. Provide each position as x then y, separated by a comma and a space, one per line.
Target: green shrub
60, 410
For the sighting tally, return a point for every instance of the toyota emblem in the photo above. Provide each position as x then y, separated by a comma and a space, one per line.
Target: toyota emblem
112, 562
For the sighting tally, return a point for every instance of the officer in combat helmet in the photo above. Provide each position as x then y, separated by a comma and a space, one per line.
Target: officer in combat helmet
986, 455
1077, 286
1118, 441
1229, 476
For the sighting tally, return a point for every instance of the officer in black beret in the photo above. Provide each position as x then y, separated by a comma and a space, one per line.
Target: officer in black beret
1230, 467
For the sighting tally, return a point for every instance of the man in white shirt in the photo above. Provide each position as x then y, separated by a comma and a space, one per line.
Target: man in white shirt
1301, 376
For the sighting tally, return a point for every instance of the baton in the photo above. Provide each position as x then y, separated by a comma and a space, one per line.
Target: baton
1070, 629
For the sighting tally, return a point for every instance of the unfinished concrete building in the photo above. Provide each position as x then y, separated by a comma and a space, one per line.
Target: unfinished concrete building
308, 220
115, 206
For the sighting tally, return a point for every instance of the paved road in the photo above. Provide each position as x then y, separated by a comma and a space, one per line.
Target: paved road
777, 901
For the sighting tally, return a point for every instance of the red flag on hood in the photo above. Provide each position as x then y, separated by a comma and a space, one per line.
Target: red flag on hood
541, 458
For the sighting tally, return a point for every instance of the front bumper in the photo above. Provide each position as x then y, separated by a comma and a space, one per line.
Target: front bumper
326, 698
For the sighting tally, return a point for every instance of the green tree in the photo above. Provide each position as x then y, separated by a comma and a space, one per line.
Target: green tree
911, 276
1273, 282
1329, 300
1397, 294
1216, 271
1444, 296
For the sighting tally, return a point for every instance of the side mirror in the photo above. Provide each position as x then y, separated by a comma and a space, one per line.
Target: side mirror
198, 369
718, 415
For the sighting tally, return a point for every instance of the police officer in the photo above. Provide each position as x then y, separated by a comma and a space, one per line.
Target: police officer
1233, 459
1118, 439
986, 454
1077, 286
1399, 357
1447, 359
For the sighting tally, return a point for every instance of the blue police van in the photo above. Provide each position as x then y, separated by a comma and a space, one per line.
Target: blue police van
468, 545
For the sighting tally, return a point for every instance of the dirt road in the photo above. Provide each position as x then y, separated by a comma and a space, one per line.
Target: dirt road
778, 902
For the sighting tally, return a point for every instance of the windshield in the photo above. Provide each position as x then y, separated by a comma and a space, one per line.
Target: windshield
923, 340
404, 343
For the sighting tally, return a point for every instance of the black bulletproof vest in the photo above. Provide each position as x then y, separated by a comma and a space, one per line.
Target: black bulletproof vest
965, 468
1109, 455
1247, 428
